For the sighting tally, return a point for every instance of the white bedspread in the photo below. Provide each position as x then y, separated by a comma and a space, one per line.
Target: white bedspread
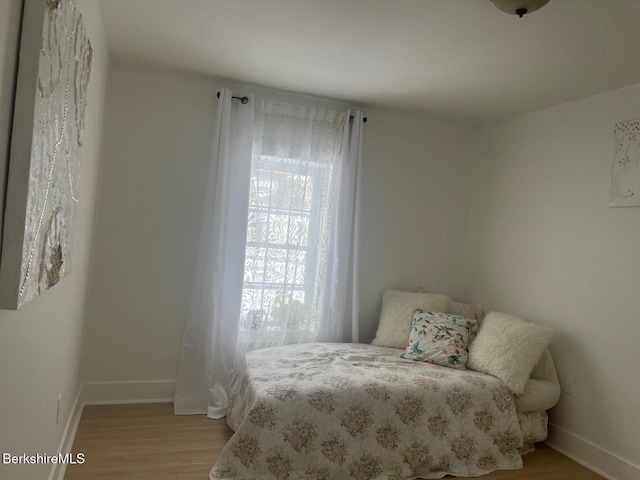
353, 411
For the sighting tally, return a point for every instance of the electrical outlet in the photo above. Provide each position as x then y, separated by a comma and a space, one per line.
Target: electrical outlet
58, 409
570, 385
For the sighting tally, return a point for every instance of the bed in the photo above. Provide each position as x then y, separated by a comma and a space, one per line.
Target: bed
442, 390
328, 411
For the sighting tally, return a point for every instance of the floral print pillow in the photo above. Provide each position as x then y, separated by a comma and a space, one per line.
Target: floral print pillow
439, 338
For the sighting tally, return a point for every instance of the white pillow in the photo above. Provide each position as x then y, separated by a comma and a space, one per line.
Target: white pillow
508, 348
397, 312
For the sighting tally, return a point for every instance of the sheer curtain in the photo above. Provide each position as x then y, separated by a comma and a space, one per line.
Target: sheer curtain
299, 238
208, 346
341, 308
292, 277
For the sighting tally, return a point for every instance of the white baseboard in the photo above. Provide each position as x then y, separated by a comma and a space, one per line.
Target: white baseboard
109, 393
113, 393
604, 463
69, 434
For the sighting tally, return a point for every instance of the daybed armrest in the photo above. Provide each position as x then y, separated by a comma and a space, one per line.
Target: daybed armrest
542, 390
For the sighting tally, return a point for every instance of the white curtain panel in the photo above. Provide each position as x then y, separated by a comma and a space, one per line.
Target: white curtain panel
278, 255
209, 343
341, 309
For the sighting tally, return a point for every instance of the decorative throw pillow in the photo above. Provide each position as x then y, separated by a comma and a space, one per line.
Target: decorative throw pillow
397, 312
439, 338
508, 348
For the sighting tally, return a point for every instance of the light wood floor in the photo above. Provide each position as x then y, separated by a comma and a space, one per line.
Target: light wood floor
147, 442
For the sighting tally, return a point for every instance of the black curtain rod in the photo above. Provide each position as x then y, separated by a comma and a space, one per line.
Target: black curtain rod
245, 100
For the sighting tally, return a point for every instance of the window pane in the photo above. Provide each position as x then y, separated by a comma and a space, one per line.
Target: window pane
252, 312
281, 190
254, 264
259, 187
277, 229
275, 267
302, 193
296, 267
257, 227
298, 230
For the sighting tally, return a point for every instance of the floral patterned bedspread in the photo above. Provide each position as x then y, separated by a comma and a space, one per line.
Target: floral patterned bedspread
328, 411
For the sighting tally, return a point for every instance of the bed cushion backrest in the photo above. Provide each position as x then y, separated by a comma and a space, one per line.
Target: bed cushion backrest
465, 310
397, 312
542, 390
462, 309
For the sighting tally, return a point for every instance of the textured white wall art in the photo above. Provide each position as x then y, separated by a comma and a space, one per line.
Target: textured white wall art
46, 147
625, 170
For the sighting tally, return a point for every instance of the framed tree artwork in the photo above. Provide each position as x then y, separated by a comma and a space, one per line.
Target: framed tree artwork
625, 169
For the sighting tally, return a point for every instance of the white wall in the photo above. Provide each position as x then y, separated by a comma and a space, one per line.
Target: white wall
157, 134
542, 244
40, 343
414, 209
157, 144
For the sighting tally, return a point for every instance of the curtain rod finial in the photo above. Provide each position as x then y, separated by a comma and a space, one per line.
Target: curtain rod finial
243, 100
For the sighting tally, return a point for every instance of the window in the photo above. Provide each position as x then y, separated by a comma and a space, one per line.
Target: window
282, 258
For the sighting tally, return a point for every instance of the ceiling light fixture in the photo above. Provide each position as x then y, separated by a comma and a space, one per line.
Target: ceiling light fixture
519, 7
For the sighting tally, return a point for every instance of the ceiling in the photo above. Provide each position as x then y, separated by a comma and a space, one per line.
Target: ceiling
457, 60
